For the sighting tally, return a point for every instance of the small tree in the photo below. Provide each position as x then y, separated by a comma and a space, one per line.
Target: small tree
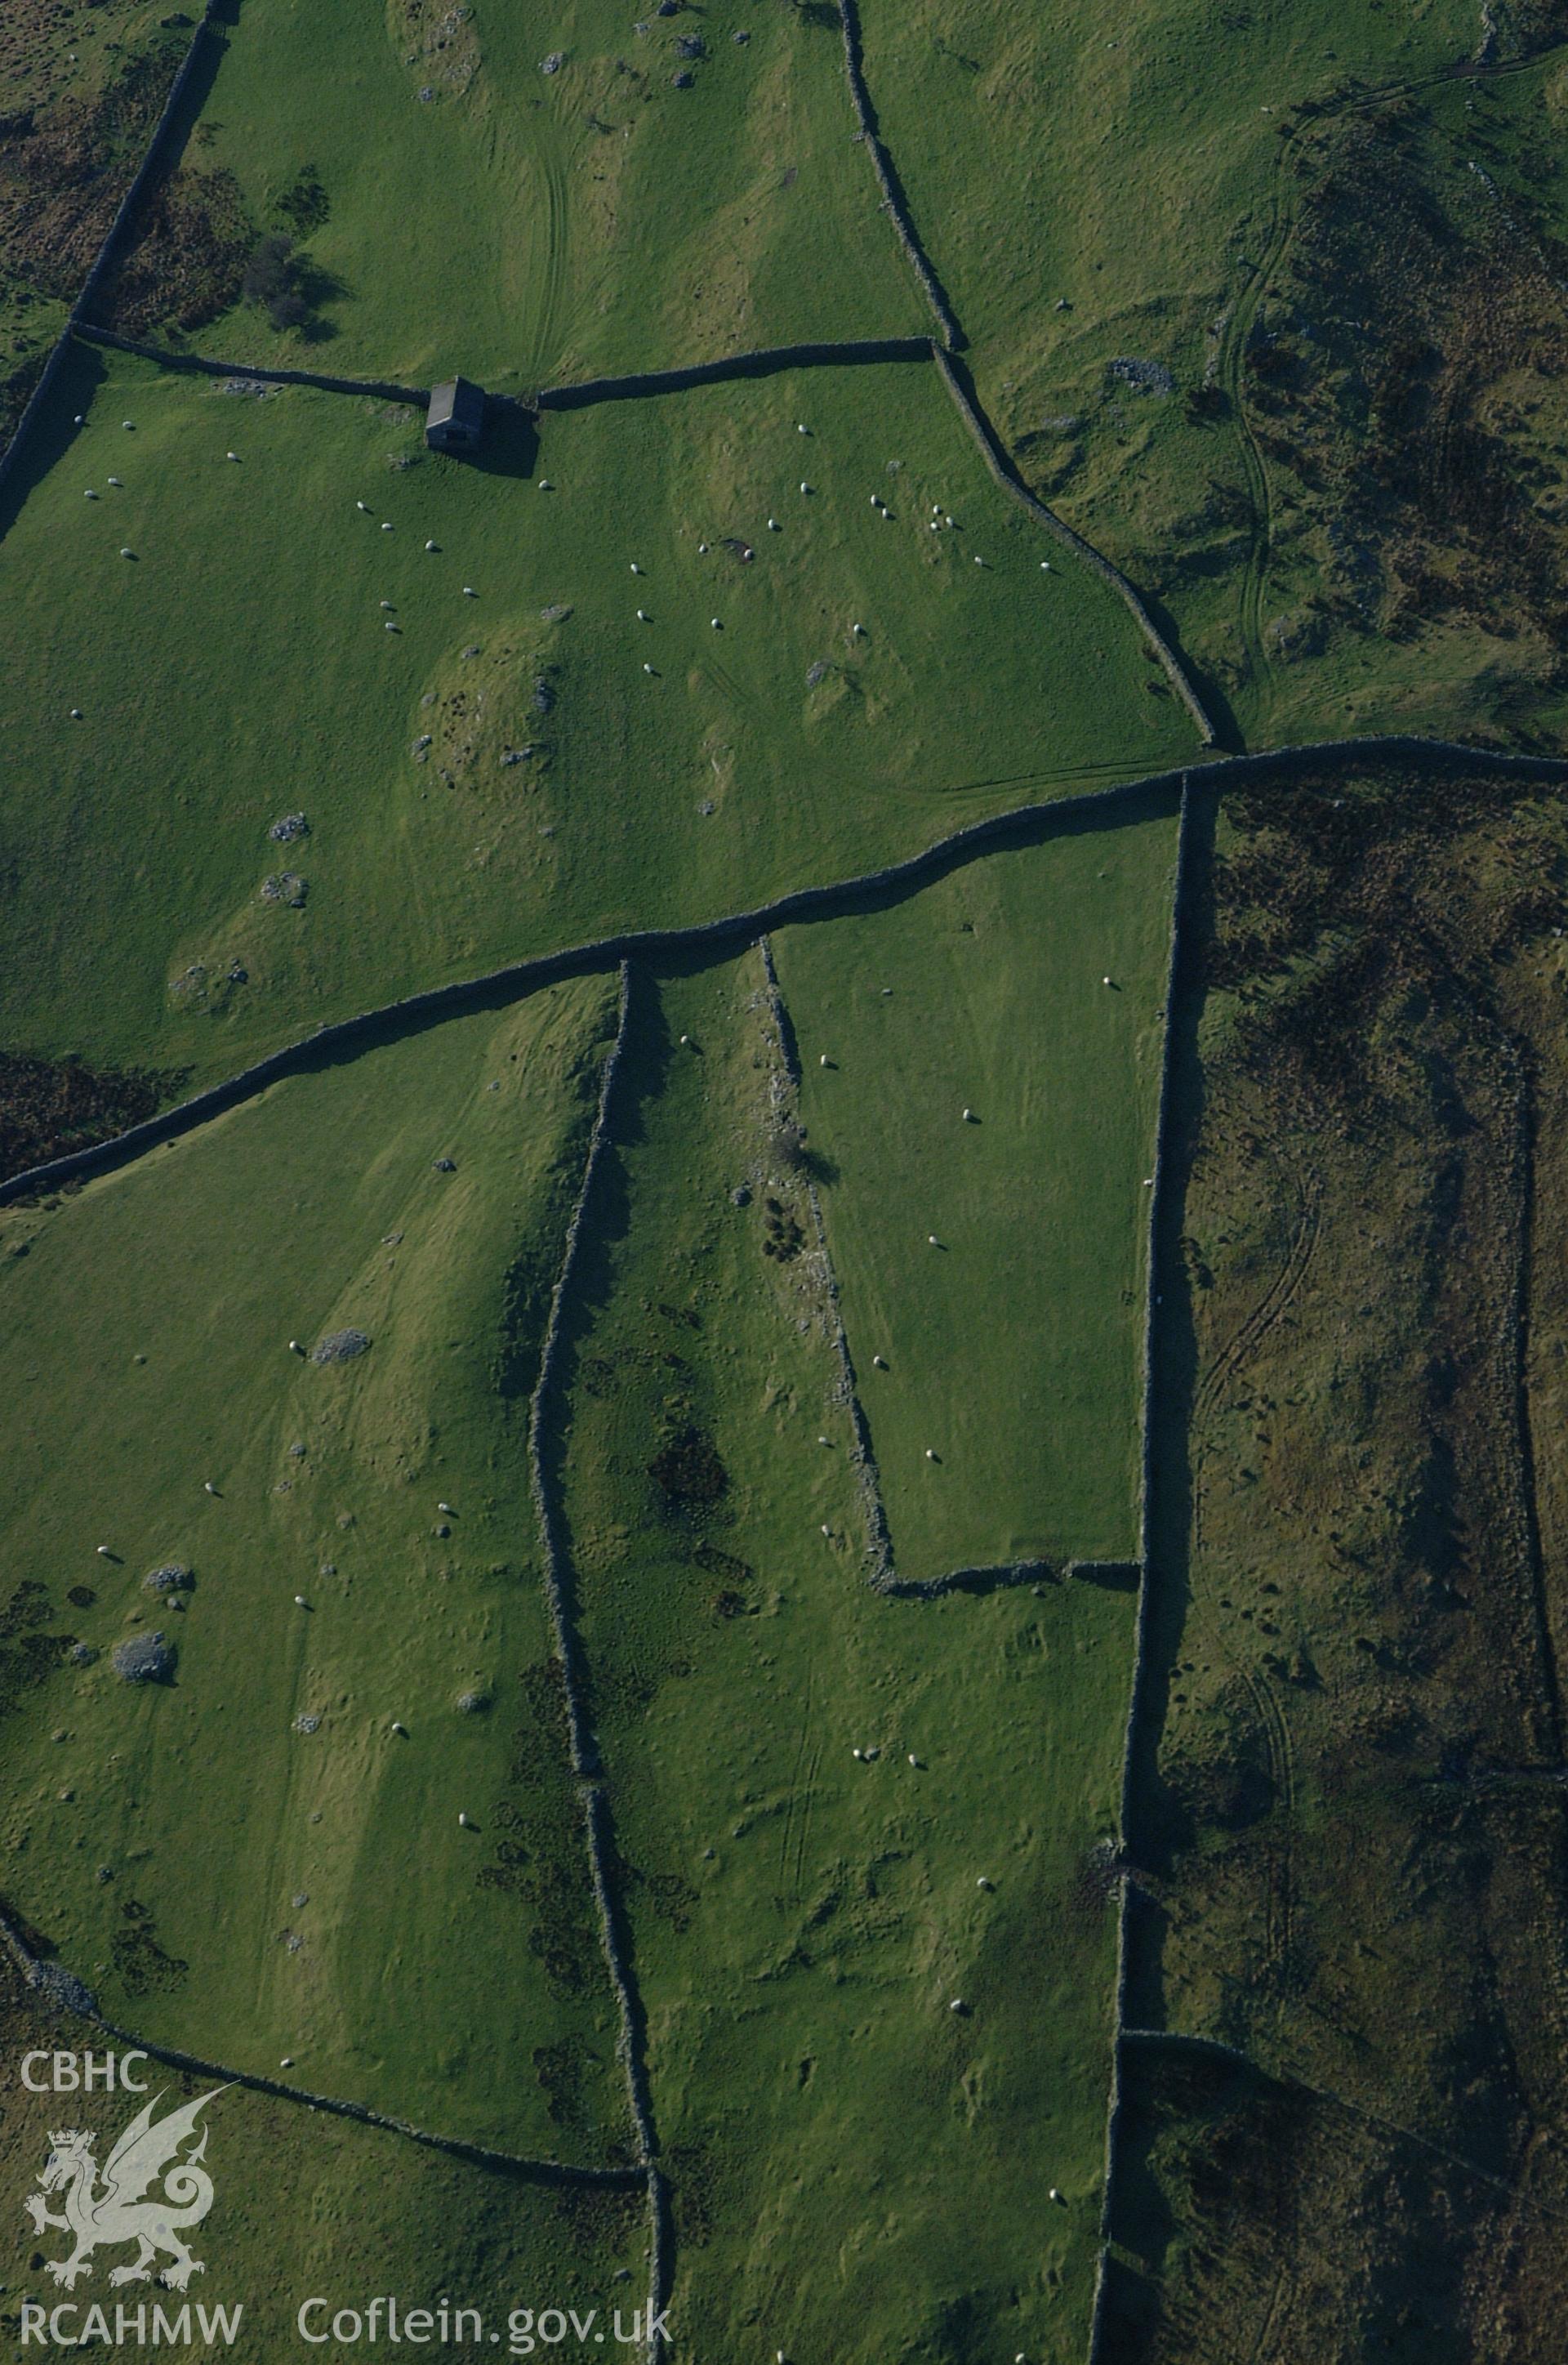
270, 272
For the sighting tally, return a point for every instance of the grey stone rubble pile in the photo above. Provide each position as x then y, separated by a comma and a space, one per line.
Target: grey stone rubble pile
289, 827
285, 887
1145, 377
171, 1578
144, 1659
340, 1347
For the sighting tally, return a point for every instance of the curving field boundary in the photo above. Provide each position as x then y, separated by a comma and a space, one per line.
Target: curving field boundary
1159, 1218
895, 203
61, 1989
1022, 825
764, 361
541, 1416
599, 1835
100, 264
201, 365
997, 460
882, 1574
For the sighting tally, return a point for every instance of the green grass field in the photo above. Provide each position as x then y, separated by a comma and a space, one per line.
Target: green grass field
803, 1921
529, 227
447, 1976
238, 668
1034, 1299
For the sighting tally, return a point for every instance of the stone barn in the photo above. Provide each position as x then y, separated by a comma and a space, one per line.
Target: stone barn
455, 419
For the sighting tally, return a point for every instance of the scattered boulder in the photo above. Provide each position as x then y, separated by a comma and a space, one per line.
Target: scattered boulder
307, 1723
83, 1654
473, 1703
289, 827
690, 45
284, 886
553, 63
683, 80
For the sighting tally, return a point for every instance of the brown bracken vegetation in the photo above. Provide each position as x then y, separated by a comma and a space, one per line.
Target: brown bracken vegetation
49, 1106
1351, 1795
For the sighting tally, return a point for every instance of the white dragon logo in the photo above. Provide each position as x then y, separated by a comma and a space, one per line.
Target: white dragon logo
119, 2212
